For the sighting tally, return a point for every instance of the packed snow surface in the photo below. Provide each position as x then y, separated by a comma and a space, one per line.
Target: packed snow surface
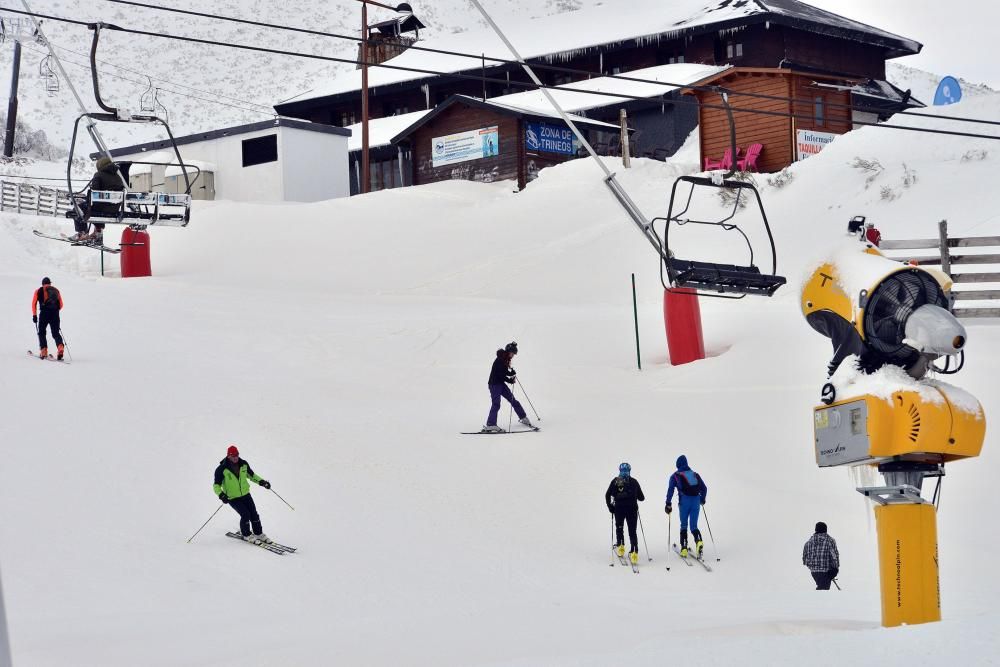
343, 345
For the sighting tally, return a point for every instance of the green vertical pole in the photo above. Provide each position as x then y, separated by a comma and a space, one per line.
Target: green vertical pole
102, 263
635, 316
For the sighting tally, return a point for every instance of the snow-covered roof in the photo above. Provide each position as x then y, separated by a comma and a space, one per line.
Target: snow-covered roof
492, 103
562, 36
671, 76
382, 130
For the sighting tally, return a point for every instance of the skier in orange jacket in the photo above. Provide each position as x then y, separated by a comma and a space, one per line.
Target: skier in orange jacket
46, 304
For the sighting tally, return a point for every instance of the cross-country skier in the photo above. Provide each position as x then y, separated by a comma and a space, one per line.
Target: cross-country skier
501, 374
232, 485
45, 306
820, 555
622, 498
691, 495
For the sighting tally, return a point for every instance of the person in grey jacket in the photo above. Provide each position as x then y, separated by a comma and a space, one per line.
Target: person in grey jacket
820, 555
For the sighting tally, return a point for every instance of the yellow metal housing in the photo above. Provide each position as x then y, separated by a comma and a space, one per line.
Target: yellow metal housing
908, 564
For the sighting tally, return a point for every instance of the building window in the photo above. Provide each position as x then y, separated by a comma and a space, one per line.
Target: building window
347, 118
676, 59
616, 70
739, 50
260, 150
734, 50
818, 111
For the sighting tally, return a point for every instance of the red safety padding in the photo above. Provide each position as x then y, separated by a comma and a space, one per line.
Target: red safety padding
135, 254
682, 319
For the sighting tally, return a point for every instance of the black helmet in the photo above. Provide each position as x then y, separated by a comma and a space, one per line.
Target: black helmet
511, 347
46, 281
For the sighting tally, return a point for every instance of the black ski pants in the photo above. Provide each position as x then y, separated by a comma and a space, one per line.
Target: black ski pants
244, 505
48, 317
824, 579
620, 518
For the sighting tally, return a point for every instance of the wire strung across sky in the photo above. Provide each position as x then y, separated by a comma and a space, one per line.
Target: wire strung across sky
526, 85
553, 68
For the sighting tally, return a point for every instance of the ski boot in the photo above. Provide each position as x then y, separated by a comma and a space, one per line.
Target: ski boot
634, 557
492, 428
59, 354
699, 545
527, 422
262, 539
43, 353
684, 543
620, 550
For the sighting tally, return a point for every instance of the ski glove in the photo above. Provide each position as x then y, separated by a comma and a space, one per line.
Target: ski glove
266, 484
223, 497
510, 380
668, 508
703, 500
34, 318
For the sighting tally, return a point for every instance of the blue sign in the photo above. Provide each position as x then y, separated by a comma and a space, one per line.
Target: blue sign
948, 92
549, 138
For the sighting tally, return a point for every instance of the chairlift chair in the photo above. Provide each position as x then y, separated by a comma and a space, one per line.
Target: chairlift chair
126, 207
714, 279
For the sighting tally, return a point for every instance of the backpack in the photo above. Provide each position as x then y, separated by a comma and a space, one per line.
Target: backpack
687, 482
621, 489
48, 297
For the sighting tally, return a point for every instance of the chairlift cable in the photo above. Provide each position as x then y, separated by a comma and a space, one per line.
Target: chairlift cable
479, 58
478, 78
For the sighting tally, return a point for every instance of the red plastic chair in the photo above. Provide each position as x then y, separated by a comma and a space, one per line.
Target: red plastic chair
749, 161
725, 163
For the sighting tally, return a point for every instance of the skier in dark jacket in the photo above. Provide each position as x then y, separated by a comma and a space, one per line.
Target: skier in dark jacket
691, 495
45, 306
501, 374
622, 498
232, 485
106, 178
820, 555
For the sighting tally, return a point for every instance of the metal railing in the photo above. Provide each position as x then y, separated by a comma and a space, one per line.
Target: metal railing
947, 259
33, 199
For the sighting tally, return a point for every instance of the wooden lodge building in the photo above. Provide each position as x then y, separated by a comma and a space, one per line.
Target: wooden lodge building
787, 48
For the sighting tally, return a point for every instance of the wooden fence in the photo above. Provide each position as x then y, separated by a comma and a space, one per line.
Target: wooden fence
33, 199
946, 258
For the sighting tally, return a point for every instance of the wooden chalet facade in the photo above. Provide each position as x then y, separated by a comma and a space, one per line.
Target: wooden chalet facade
519, 154
823, 109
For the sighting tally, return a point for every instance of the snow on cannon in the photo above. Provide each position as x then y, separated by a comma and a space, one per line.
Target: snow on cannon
889, 323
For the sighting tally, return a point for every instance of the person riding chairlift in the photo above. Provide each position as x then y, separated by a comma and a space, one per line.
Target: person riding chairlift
106, 178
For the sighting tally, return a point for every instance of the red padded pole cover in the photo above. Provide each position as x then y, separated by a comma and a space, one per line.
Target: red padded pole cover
135, 258
682, 318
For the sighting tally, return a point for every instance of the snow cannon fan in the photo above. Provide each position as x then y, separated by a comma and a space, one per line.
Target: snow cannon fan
895, 320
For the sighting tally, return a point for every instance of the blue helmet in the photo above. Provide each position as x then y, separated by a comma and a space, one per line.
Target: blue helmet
624, 470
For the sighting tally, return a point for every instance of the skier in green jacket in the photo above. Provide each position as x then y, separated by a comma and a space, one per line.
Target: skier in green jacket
232, 485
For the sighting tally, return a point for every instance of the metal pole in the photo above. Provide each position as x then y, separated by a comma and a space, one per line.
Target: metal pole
206, 522
366, 183
5, 659
945, 255
635, 317
612, 563
643, 531
709, 525
669, 529
8, 141
282, 499
518, 380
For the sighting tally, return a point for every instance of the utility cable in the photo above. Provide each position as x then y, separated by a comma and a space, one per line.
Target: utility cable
542, 66
526, 85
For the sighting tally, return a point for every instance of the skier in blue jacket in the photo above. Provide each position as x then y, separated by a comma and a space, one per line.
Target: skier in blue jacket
691, 495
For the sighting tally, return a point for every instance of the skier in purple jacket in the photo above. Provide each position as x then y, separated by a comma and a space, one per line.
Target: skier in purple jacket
501, 374
691, 495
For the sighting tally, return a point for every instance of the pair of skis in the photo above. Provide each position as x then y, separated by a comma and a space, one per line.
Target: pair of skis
624, 560
687, 560
273, 547
82, 244
533, 429
49, 357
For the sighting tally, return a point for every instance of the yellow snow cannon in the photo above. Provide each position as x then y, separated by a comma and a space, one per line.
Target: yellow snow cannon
893, 321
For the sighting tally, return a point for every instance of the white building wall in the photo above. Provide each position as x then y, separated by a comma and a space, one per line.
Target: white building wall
314, 165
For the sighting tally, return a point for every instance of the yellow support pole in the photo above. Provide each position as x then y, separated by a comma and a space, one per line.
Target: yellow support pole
908, 563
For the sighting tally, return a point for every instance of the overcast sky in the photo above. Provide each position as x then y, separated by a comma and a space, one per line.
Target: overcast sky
960, 37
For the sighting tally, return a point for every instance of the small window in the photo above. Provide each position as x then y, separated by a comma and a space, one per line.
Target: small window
818, 111
680, 59
347, 118
739, 50
729, 50
616, 70
260, 150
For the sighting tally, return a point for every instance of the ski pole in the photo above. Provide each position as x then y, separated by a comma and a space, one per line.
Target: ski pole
65, 344
709, 524
518, 380
206, 523
612, 563
836, 584
643, 531
282, 499
510, 413
670, 525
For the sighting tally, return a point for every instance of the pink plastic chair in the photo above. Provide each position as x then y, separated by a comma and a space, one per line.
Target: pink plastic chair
725, 163
749, 161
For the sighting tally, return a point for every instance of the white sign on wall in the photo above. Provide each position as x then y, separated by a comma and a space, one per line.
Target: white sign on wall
810, 142
462, 146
